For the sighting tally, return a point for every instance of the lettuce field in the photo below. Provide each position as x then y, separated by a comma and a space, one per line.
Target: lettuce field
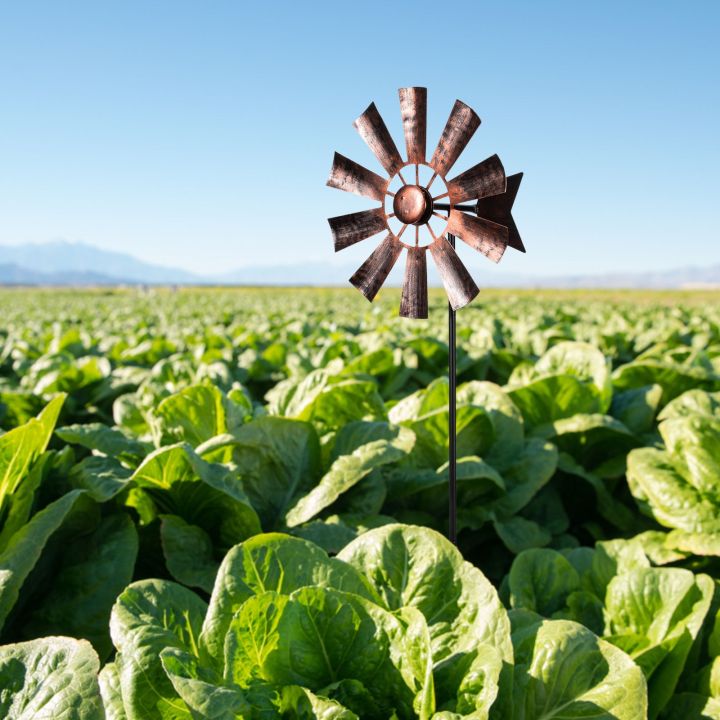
226, 504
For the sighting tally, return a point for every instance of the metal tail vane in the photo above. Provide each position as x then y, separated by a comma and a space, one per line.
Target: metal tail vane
486, 226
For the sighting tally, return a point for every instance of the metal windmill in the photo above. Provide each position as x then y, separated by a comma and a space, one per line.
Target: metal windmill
486, 225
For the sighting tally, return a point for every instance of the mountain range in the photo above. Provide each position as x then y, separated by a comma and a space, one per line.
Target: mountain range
68, 264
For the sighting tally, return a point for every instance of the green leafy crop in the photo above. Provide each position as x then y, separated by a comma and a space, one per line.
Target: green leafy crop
398, 626
233, 503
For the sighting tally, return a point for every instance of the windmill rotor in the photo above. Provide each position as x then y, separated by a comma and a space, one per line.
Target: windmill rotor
487, 226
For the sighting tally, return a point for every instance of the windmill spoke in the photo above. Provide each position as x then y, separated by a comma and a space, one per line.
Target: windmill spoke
413, 109
414, 301
350, 229
459, 286
370, 276
485, 179
374, 132
351, 177
485, 236
460, 127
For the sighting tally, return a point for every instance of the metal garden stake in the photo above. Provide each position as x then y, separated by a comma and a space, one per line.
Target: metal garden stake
486, 225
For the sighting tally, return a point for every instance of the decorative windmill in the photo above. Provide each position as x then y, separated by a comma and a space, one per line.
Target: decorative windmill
486, 226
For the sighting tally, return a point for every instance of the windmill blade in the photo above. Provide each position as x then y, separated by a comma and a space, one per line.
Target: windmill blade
459, 286
414, 301
351, 177
480, 181
482, 235
498, 208
350, 229
370, 276
374, 132
413, 108
460, 127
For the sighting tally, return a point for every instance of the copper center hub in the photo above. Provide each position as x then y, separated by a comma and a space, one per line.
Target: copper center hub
412, 205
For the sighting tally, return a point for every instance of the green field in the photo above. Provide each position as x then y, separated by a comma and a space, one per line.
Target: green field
230, 503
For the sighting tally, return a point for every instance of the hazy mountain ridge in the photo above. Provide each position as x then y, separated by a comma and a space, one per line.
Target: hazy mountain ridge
11, 274
65, 263
60, 257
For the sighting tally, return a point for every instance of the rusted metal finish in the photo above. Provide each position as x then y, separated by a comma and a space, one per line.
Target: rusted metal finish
459, 286
412, 204
350, 229
413, 108
482, 235
460, 127
414, 301
370, 276
498, 208
374, 132
482, 180
352, 177
478, 203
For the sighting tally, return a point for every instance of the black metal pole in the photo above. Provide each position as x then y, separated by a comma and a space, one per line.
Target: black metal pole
452, 424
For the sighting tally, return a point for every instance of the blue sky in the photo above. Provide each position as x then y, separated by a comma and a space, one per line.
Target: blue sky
200, 135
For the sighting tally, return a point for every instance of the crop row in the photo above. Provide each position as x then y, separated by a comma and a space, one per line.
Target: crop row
232, 505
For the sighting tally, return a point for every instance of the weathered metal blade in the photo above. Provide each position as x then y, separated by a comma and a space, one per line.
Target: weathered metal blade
482, 180
413, 108
460, 127
350, 229
483, 235
459, 286
374, 132
352, 177
498, 208
370, 276
414, 301
514, 239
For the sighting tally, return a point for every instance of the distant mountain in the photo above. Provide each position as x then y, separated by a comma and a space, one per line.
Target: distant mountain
61, 257
310, 273
65, 263
328, 274
682, 278
11, 274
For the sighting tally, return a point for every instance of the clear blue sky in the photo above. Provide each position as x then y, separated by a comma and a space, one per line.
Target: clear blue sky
200, 134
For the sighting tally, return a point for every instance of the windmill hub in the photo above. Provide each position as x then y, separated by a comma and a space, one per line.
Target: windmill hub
413, 205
